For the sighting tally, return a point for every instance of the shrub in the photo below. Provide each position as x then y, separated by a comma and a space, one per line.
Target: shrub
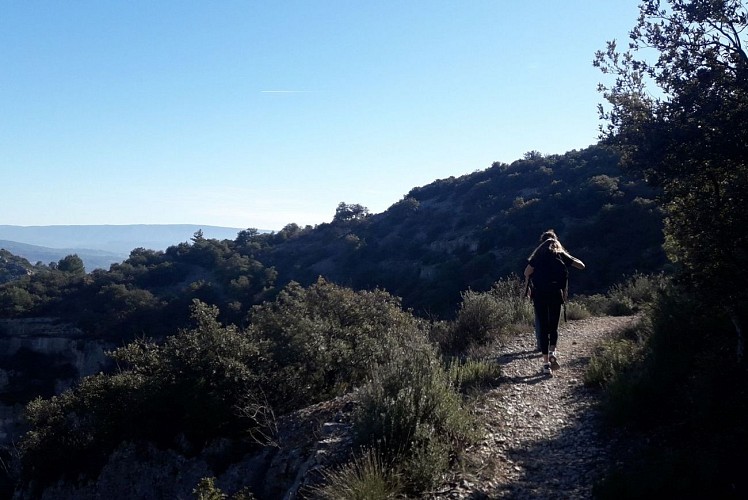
632, 296
688, 394
473, 373
619, 356
576, 311
485, 317
366, 477
412, 414
615, 357
190, 386
596, 305
194, 381
325, 339
74, 432
635, 293
206, 489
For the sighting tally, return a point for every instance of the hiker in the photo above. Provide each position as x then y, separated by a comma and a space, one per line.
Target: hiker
547, 267
528, 288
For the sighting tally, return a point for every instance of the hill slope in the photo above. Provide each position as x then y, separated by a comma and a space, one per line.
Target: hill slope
467, 232
437, 242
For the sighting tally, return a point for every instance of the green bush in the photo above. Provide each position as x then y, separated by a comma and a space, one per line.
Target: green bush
576, 311
614, 357
471, 373
74, 432
685, 391
635, 293
192, 386
209, 381
412, 414
596, 305
485, 317
324, 340
616, 364
366, 477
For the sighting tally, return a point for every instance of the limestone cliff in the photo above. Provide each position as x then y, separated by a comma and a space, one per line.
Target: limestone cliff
41, 357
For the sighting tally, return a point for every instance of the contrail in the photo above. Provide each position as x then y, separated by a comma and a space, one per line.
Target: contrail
285, 91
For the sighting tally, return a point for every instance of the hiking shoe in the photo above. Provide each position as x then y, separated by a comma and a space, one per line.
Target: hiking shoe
547, 369
553, 361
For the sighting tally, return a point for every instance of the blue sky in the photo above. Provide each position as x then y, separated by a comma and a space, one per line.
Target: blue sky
260, 114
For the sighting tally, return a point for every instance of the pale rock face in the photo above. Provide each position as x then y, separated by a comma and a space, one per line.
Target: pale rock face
54, 354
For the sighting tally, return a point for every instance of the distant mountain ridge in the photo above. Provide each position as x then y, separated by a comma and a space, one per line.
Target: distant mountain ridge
92, 259
100, 245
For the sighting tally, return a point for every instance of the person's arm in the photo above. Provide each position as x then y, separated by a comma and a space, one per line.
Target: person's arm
528, 272
574, 261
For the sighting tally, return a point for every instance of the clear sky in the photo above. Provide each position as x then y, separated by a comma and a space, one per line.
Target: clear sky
262, 113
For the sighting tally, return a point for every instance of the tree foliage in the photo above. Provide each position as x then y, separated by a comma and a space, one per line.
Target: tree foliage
348, 211
678, 109
190, 386
213, 381
325, 339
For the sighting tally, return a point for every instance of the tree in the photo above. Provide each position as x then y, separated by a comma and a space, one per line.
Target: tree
198, 236
244, 237
71, 264
346, 212
689, 136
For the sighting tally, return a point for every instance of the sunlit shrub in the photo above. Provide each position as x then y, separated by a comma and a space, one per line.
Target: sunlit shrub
326, 339
206, 489
576, 311
366, 477
635, 293
615, 357
412, 414
485, 317
472, 373
596, 305
632, 296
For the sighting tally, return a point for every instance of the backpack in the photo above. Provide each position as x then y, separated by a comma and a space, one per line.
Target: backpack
550, 275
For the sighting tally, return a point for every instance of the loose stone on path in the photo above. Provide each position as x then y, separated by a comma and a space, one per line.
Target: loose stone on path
542, 435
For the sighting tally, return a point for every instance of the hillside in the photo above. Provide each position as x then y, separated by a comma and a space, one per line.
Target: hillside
437, 242
467, 232
12, 267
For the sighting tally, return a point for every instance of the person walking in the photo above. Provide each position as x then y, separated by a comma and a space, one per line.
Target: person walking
528, 288
547, 268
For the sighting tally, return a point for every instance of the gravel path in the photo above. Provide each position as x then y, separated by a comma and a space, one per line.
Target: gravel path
542, 435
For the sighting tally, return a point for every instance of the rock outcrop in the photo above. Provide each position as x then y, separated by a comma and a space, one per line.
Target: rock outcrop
41, 357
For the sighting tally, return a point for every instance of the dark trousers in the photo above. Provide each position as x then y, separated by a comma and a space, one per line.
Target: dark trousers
547, 314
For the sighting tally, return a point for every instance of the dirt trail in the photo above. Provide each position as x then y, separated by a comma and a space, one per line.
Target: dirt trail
542, 434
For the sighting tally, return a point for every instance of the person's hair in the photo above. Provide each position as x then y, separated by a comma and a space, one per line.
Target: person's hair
549, 245
550, 234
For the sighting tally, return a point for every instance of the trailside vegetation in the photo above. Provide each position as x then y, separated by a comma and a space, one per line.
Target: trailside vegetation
212, 381
677, 109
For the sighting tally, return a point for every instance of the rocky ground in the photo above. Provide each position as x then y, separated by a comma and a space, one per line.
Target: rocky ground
543, 435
